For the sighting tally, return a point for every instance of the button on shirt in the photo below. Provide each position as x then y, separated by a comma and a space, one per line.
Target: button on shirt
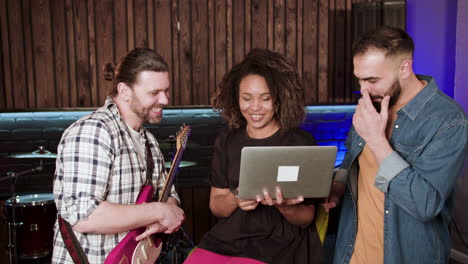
97, 161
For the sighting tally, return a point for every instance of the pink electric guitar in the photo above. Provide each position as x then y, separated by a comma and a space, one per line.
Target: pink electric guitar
147, 250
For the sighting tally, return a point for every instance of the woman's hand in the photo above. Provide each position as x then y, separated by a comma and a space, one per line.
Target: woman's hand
223, 202
336, 192
292, 209
280, 201
247, 205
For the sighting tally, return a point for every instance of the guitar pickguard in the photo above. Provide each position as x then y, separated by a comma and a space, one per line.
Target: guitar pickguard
146, 252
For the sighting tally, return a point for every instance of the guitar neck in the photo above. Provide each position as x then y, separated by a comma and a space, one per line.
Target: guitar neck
171, 176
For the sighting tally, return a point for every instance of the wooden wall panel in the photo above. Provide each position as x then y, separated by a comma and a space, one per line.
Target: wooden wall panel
238, 36
8, 86
337, 91
53, 51
291, 30
300, 32
151, 23
229, 34
43, 67
163, 30
60, 52
348, 56
325, 41
200, 54
248, 25
2, 72
279, 22
92, 52
270, 26
211, 82
140, 11
28, 53
72, 92
185, 53
259, 15
175, 33
2, 79
221, 42
120, 29
104, 10
310, 52
18, 69
83, 76
130, 24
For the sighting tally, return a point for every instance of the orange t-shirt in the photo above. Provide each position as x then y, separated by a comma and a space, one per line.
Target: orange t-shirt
370, 206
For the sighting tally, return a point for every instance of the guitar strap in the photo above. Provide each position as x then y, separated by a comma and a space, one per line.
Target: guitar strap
149, 161
69, 238
71, 243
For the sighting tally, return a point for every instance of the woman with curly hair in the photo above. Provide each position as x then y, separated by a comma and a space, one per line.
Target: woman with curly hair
262, 102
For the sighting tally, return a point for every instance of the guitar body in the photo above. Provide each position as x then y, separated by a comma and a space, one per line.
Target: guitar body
129, 250
148, 249
124, 251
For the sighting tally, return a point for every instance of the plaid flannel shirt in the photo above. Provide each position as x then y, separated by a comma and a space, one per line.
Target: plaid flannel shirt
96, 162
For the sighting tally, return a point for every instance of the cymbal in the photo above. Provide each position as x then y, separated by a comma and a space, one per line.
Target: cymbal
183, 164
41, 153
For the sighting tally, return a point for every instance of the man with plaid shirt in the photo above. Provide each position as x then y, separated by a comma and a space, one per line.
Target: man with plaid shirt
102, 162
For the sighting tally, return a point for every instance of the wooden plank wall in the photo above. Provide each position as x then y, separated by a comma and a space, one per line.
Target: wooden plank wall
53, 51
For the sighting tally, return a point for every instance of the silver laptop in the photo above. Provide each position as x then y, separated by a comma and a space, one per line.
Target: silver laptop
297, 170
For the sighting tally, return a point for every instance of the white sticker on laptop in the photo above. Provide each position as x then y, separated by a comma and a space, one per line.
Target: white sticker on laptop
287, 173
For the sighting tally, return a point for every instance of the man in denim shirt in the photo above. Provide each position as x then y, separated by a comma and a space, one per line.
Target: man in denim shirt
405, 149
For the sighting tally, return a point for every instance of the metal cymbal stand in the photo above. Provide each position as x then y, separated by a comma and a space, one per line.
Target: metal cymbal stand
12, 248
12, 227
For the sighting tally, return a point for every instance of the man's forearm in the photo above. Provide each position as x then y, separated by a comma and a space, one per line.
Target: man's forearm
110, 218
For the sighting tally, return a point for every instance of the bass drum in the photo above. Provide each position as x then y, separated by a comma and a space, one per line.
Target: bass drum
35, 217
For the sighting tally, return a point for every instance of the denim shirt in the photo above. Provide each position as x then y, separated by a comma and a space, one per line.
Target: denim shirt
430, 139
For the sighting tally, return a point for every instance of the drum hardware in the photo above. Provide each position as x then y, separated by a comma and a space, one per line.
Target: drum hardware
40, 153
12, 239
33, 227
36, 214
172, 147
183, 164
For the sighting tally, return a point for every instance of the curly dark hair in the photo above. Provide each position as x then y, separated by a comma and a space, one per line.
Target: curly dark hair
283, 82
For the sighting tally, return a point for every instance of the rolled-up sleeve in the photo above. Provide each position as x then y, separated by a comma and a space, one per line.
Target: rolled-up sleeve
390, 167
83, 170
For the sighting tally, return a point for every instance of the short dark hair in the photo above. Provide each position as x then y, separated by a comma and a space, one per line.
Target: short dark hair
128, 68
283, 82
393, 41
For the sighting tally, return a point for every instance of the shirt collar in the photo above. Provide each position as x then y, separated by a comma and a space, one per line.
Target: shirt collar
112, 107
416, 105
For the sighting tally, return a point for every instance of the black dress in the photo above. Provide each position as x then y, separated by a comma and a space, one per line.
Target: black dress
262, 234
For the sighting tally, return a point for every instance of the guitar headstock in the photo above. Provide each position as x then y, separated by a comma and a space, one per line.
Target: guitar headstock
182, 136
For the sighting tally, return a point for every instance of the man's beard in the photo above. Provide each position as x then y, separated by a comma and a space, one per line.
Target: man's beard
394, 93
143, 113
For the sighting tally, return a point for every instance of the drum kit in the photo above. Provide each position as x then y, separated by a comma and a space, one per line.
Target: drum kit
31, 217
